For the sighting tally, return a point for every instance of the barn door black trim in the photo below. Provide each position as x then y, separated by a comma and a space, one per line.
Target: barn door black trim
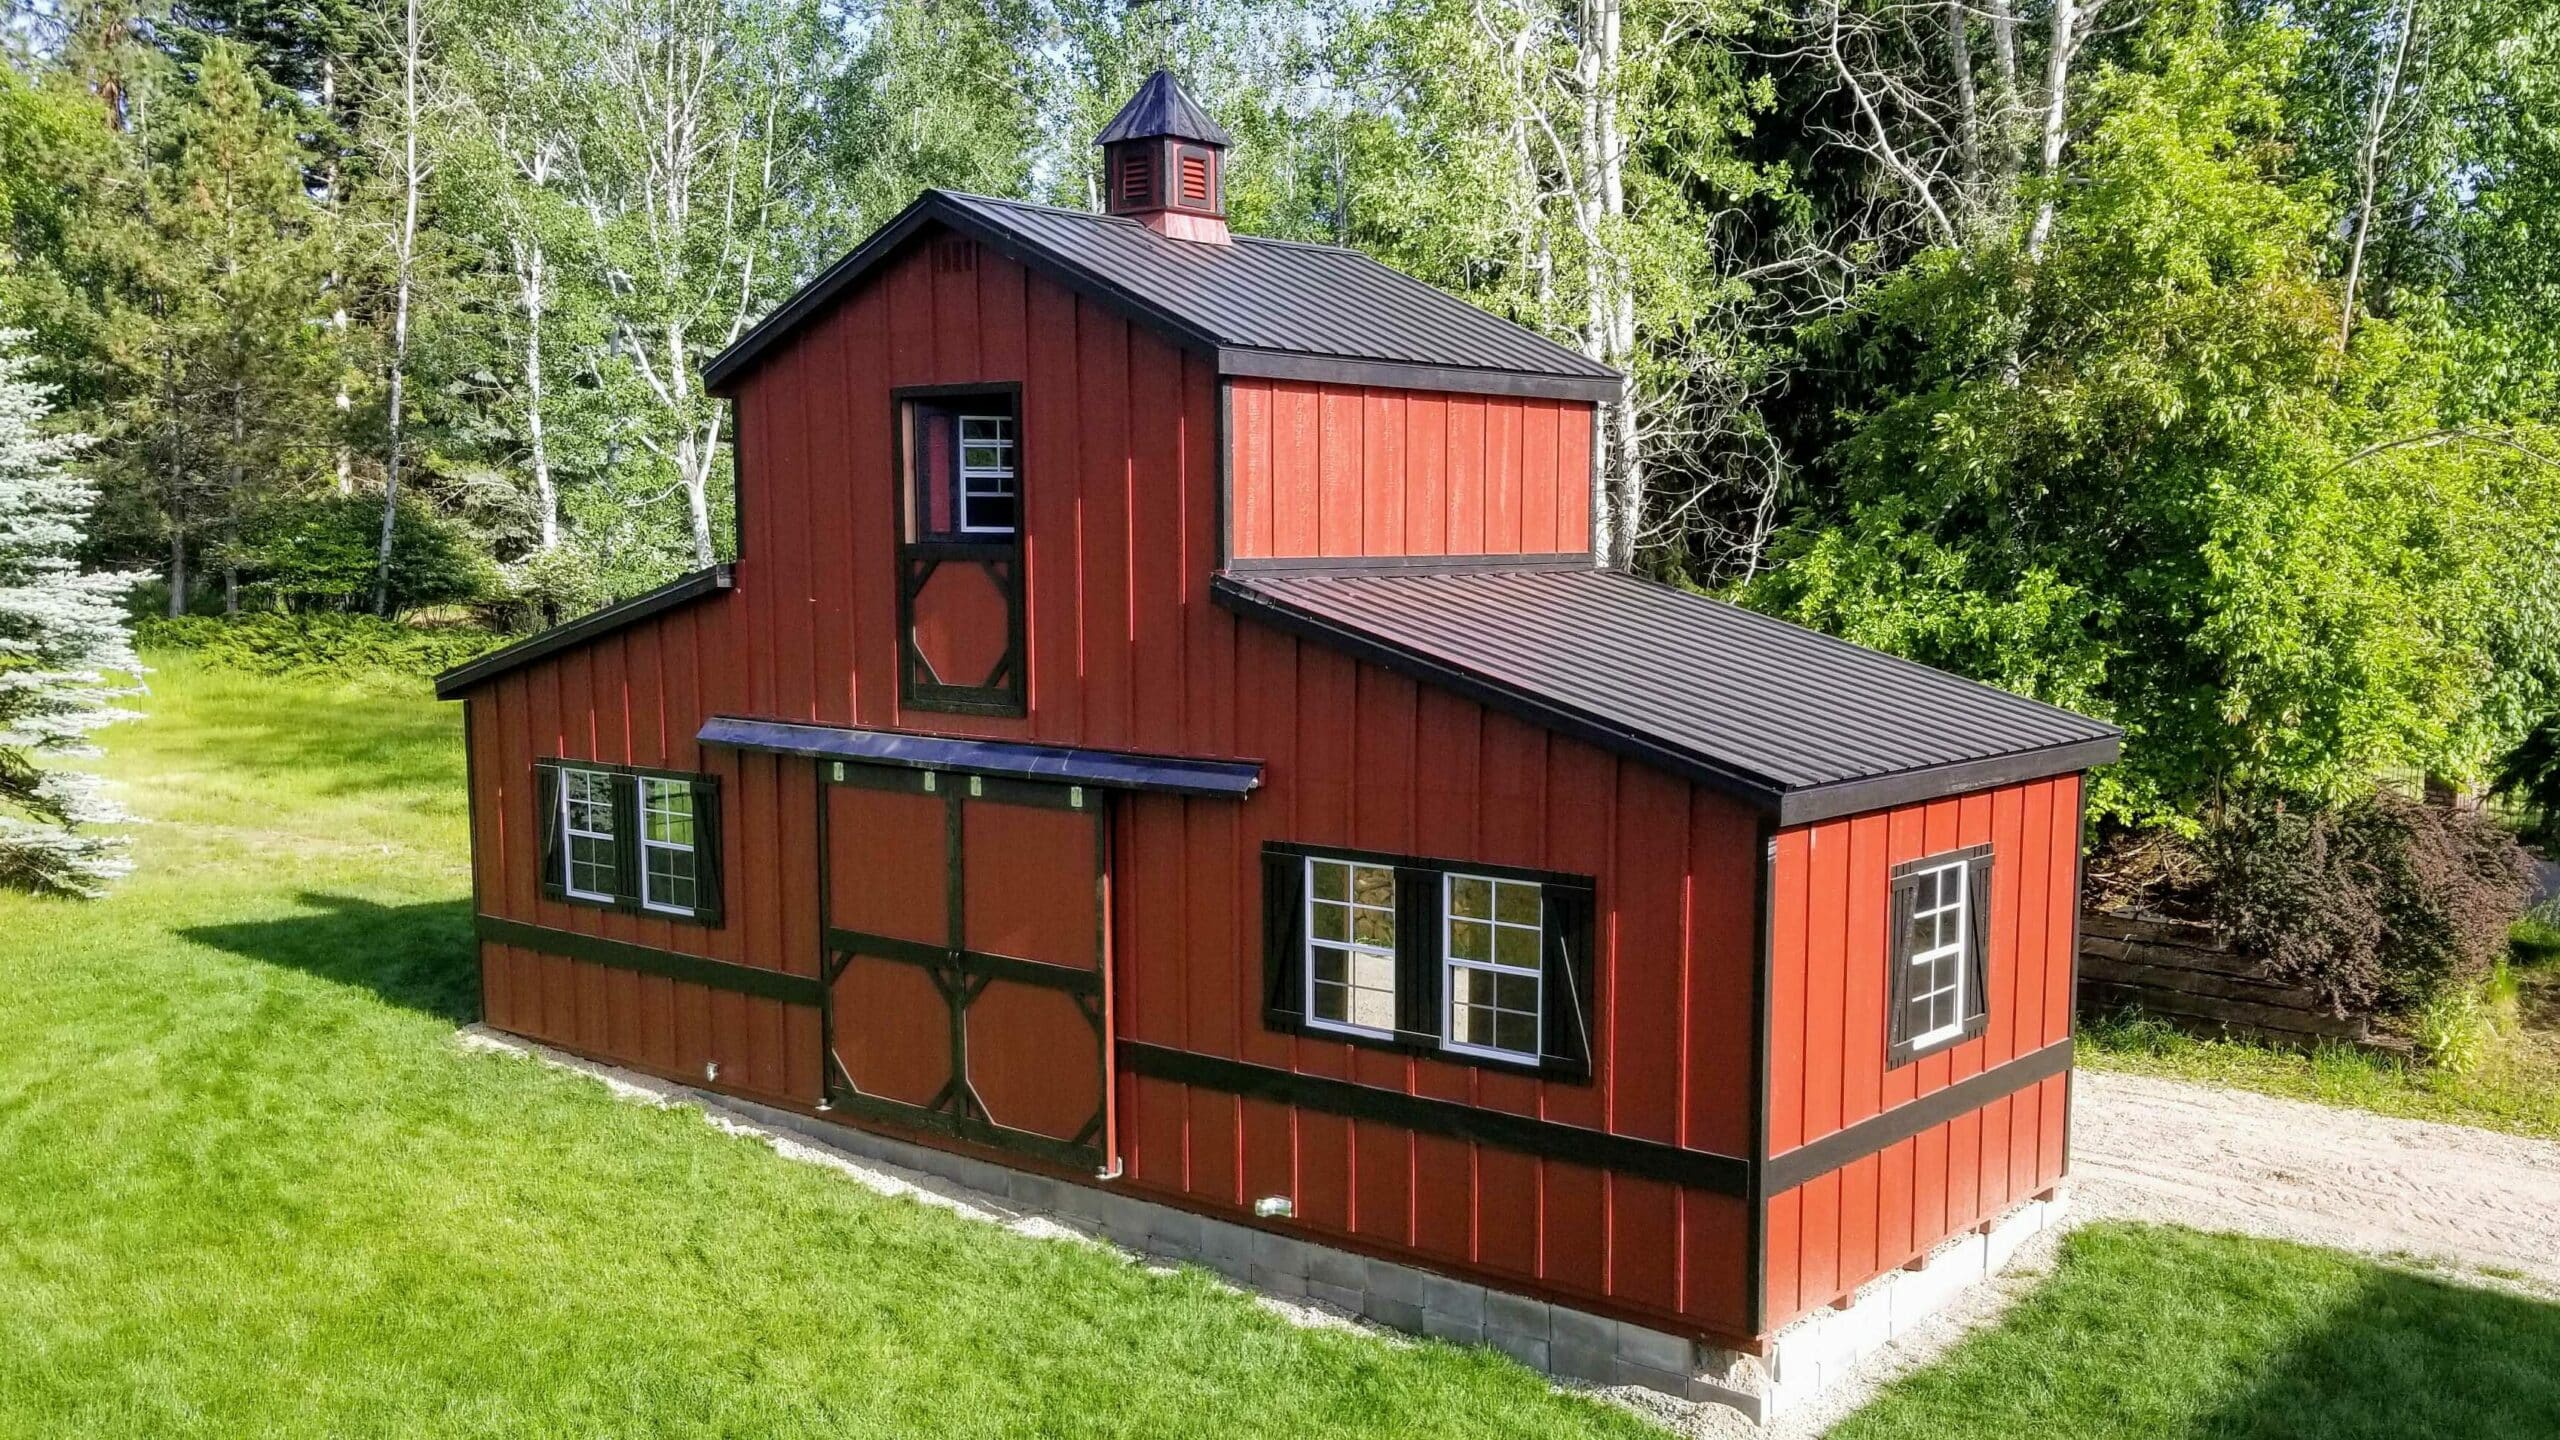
960, 975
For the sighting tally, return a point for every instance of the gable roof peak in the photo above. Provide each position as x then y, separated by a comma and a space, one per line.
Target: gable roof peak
1161, 108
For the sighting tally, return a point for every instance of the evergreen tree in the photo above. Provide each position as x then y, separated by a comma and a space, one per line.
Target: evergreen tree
63, 646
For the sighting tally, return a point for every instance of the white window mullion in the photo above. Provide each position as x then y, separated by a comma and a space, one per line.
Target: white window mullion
1493, 973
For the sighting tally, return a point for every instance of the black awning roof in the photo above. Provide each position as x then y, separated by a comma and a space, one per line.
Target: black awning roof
1062, 764
1802, 724
1262, 307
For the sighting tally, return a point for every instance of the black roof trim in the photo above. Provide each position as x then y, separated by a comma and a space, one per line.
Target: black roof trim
1162, 108
1000, 225
1803, 726
1057, 764
1393, 375
1407, 564
592, 625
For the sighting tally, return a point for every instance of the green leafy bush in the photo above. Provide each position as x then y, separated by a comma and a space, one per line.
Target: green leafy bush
2381, 905
320, 552
339, 645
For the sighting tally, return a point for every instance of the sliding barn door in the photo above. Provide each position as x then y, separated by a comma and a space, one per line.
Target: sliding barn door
966, 967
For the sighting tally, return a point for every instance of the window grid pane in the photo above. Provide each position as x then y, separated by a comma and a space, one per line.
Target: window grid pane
586, 823
1493, 943
667, 867
1351, 958
1935, 945
986, 475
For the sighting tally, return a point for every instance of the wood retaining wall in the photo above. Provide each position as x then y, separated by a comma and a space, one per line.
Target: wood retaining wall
2186, 972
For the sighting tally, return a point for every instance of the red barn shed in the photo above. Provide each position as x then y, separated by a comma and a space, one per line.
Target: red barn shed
1166, 734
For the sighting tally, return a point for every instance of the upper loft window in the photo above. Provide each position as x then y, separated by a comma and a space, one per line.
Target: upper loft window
963, 480
1939, 955
1467, 962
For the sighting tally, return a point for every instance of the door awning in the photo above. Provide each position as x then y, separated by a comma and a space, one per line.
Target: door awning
1063, 764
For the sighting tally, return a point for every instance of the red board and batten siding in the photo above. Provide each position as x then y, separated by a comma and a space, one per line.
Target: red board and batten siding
1343, 472
1829, 969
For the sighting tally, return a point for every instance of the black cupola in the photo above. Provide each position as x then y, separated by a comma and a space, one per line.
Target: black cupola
1161, 162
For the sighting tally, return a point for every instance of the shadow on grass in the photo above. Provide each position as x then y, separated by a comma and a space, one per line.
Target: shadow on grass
2407, 1357
419, 956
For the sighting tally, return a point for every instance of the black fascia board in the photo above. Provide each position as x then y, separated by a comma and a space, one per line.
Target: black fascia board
595, 624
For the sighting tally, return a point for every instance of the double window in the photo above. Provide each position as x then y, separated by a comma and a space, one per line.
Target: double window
1939, 957
629, 839
1477, 962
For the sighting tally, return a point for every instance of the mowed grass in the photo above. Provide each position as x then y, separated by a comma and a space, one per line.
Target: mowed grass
250, 1186
2155, 1333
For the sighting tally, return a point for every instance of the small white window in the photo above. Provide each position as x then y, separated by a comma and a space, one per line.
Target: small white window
1935, 946
669, 875
987, 501
586, 828
1351, 946
1495, 980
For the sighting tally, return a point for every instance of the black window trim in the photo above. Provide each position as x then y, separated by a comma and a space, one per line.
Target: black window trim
1004, 554
1568, 978
708, 910
1976, 959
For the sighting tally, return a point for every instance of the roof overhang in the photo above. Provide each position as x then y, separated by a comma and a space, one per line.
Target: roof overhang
731, 366
682, 590
1785, 804
1057, 764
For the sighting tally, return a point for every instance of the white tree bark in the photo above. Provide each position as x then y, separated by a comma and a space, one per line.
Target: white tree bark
412, 178
2386, 90
2057, 91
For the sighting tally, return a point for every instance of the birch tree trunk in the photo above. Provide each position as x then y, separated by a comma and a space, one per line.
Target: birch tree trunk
405, 252
1969, 147
546, 498
2057, 87
2386, 90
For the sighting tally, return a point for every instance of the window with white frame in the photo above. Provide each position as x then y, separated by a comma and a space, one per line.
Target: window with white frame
1351, 946
589, 851
1491, 947
669, 869
644, 841
1933, 948
988, 505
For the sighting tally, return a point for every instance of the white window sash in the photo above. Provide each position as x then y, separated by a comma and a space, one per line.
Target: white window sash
985, 482
1450, 964
570, 834
1926, 961
1348, 944
668, 846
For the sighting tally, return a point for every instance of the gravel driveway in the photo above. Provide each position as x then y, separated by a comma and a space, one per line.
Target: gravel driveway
2468, 1200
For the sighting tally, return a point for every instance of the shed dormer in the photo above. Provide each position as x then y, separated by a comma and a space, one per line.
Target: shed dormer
1162, 164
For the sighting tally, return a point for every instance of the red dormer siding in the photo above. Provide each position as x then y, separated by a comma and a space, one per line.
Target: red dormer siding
1342, 472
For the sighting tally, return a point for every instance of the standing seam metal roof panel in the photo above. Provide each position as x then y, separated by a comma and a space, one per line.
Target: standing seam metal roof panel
1804, 723
1287, 301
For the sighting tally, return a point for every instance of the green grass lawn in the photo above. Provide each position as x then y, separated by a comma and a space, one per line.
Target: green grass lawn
250, 1186
2151, 1332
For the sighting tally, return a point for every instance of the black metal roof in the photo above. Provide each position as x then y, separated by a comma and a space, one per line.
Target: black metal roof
1160, 108
1260, 307
684, 589
1802, 724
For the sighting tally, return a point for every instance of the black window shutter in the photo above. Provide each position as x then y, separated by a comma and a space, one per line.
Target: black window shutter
1897, 1050
626, 838
1418, 902
1284, 961
706, 849
1977, 946
546, 799
1569, 966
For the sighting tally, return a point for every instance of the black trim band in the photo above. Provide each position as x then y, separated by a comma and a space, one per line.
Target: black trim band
975, 964
590, 626
648, 960
1251, 363
1785, 1172
1651, 1159
1410, 564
